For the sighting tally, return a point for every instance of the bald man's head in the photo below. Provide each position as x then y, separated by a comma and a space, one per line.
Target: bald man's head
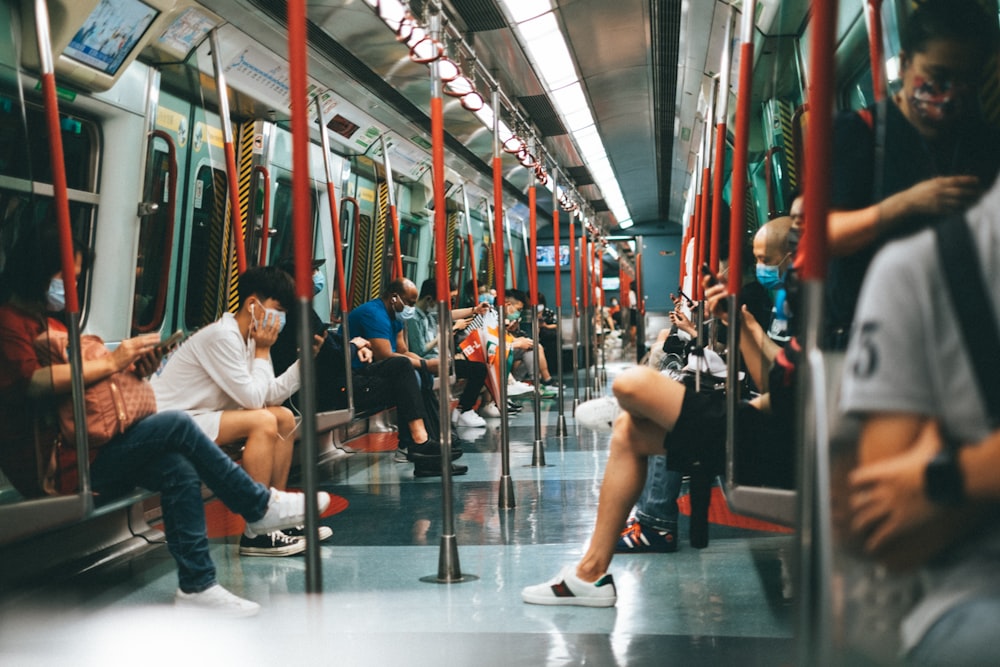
770, 244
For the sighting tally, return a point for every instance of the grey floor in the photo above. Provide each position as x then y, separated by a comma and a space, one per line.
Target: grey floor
716, 606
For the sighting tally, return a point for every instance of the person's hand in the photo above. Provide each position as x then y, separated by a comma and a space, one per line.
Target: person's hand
318, 343
682, 321
888, 498
482, 308
365, 355
265, 333
941, 195
715, 299
750, 325
131, 350
360, 342
147, 364
461, 324
522, 343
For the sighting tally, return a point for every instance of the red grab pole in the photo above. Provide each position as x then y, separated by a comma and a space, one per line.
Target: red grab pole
555, 236
721, 117
876, 52
740, 148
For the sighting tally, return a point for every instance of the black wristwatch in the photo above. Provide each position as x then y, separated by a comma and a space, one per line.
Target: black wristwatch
943, 481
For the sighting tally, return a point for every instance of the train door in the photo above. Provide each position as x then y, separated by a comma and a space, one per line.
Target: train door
201, 273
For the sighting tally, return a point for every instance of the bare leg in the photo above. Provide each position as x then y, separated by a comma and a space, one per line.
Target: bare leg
267, 455
418, 432
643, 394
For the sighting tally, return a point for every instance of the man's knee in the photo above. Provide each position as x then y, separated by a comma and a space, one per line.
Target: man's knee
262, 422
284, 418
634, 382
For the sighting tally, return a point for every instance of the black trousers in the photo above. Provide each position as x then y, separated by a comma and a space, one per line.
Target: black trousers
390, 382
474, 374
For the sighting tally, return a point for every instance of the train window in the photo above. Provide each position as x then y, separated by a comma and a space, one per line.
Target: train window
154, 252
282, 243
24, 151
409, 237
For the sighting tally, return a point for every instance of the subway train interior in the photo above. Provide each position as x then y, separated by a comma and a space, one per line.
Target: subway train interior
604, 159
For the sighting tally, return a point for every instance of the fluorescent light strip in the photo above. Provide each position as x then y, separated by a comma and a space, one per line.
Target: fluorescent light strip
547, 51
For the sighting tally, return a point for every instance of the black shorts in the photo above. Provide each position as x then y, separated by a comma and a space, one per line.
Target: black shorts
698, 440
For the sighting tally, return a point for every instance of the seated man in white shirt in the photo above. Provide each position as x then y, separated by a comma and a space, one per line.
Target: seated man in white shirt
222, 376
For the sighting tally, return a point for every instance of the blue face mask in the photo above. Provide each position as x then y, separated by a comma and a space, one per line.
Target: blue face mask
55, 298
486, 298
769, 275
319, 282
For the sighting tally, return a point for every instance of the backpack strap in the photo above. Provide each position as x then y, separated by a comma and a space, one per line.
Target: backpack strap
973, 307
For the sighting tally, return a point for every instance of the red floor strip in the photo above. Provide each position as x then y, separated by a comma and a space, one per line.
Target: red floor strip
718, 513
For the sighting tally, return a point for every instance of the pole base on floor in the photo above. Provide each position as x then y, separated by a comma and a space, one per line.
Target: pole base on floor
506, 499
561, 430
449, 570
538, 455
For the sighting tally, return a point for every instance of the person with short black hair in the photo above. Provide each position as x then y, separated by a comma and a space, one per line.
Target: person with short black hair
223, 377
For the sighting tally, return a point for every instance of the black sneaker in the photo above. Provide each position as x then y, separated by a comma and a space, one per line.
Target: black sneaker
429, 451
299, 532
271, 544
434, 469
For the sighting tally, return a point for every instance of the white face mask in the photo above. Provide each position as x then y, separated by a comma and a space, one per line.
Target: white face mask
55, 298
408, 313
282, 317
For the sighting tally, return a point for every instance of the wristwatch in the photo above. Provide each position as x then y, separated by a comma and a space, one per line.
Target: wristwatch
943, 482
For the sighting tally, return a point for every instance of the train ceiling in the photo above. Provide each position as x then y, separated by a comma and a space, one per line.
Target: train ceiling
644, 65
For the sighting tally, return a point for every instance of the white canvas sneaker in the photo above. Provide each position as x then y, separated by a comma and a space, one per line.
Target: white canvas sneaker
217, 599
286, 510
598, 414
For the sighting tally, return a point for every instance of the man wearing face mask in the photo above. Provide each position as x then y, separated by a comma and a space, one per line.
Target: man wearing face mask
774, 257
901, 164
382, 322
223, 377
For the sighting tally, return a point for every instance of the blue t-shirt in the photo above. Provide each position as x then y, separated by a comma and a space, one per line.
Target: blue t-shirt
371, 320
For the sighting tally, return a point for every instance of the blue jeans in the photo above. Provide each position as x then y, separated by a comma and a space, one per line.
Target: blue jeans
657, 506
964, 637
167, 452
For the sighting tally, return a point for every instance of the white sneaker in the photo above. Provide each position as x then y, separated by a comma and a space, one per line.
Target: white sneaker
490, 410
469, 418
286, 510
568, 589
217, 599
515, 388
598, 414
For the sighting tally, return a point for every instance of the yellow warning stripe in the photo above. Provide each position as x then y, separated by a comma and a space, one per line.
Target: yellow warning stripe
452, 243
380, 259
359, 267
785, 114
218, 241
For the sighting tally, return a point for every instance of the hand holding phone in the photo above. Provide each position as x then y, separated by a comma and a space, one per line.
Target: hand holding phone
706, 271
171, 341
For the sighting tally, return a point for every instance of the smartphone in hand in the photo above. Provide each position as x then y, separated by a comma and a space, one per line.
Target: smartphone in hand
706, 270
172, 341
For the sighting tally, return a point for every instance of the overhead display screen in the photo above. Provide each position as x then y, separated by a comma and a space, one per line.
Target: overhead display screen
110, 33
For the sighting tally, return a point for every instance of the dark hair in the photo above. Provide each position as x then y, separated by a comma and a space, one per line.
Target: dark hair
34, 259
965, 21
267, 282
518, 295
428, 288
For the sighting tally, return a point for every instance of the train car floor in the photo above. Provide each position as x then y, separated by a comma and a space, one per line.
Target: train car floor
727, 604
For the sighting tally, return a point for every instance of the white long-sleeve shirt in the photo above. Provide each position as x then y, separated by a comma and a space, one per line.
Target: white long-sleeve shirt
216, 370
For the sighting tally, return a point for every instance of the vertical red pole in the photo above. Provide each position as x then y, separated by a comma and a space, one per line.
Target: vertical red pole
532, 260
706, 216
818, 141
235, 215
440, 207
721, 117
699, 236
584, 271
641, 303
555, 236
740, 148
876, 52
572, 266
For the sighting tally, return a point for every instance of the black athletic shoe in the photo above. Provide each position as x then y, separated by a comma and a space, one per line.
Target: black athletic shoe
429, 451
434, 470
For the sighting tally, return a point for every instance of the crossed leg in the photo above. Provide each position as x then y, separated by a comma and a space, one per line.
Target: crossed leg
651, 404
